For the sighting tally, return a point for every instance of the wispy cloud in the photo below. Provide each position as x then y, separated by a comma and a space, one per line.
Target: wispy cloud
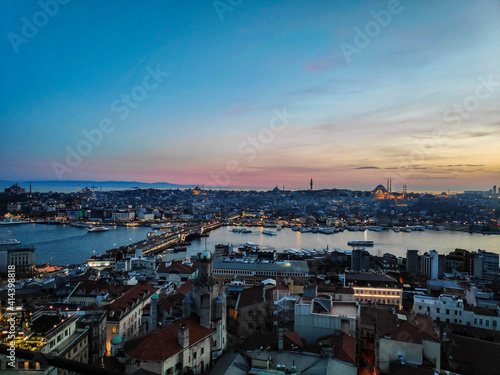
369, 167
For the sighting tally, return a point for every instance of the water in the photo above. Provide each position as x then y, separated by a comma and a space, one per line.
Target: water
386, 241
64, 244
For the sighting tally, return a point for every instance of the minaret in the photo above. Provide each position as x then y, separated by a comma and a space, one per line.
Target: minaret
311, 183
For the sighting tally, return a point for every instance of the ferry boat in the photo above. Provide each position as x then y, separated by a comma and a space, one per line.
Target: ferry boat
360, 243
10, 242
241, 230
97, 229
79, 225
269, 232
11, 221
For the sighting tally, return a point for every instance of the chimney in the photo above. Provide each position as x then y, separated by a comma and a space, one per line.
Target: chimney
183, 337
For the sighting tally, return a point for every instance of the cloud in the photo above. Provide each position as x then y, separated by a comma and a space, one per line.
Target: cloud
367, 168
324, 64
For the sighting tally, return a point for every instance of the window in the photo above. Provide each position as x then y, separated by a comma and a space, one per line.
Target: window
494, 323
438, 310
447, 311
250, 327
480, 322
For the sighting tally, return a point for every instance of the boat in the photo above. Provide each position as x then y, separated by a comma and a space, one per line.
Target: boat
360, 243
11, 221
305, 230
269, 232
10, 242
375, 229
241, 230
97, 229
326, 230
405, 229
278, 227
439, 227
396, 229
79, 225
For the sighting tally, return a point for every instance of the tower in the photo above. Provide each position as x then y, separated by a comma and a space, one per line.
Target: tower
311, 183
208, 301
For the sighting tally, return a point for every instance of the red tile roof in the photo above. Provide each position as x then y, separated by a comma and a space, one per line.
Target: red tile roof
294, 338
161, 344
251, 296
121, 306
171, 301
185, 288
176, 267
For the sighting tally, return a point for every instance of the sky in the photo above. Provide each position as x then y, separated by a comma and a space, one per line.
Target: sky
245, 93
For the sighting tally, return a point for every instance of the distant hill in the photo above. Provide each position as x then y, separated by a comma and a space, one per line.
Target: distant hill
73, 185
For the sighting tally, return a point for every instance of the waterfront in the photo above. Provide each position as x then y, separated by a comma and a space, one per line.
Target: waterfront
385, 241
64, 244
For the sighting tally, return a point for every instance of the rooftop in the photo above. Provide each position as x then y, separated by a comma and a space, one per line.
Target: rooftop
286, 266
161, 344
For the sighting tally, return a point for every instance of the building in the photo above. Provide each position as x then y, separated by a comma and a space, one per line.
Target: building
50, 334
249, 311
123, 215
125, 313
433, 265
374, 288
403, 339
490, 262
208, 300
443, 308
23, 259
176, 271
360, 260
187, 345
182, 347
317, 317
293, 362
452, 310
227, 270
412, 262
96, 323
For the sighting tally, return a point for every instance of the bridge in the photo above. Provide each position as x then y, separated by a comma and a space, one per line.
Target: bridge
165, 241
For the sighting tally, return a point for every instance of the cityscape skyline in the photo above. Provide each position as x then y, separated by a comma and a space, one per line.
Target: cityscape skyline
262, 95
